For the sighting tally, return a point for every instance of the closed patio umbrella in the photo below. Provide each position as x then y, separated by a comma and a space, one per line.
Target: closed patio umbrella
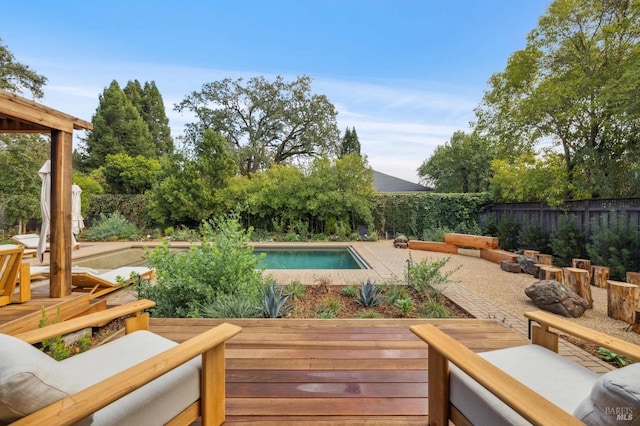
45, 203
77, 223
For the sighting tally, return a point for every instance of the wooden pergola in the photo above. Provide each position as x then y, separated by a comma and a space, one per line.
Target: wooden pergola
20, 115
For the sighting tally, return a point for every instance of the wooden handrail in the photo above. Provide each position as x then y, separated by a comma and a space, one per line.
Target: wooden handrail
529, 404
93, 398
614, 344
40, 334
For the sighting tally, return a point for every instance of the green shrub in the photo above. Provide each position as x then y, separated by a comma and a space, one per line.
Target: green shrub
567, 241
435, 234
532, 237
181, 233
405, 305
367, 313
433, 309
187, 280
615, 245
329, 309
508, 231
291, 237
232, 306
296, 290
111, 228
428, 278
350, 291
395, 292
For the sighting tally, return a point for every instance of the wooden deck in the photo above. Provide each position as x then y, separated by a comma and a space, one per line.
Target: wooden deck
345, 372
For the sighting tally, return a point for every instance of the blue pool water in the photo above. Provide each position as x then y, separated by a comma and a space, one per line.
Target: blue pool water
342, 258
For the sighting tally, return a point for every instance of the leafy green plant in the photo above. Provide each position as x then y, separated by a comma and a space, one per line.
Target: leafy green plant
405, 305
367, 313
182, 233
232, 306
508, 230
614, 244
433, 309
275, 302
613, 358
111, 228
329, 309
291, 237
350, 291
567, 241
57, 347
428, 278
370, 294
296, 290
394, 292
532, 237
188, 280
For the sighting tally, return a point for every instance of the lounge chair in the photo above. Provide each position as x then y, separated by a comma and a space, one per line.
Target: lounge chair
531, 383
13, 272
140, 378
90, 280
29, 242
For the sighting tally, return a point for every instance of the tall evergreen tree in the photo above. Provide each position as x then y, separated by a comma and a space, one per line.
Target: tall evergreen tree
155, 116
350, 143
117, 128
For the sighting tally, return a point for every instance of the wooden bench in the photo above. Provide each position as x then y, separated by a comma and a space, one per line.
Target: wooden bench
433, 246
475, 241
497, 256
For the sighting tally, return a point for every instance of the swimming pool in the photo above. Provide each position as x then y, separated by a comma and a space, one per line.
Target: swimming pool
310, 258
287, 257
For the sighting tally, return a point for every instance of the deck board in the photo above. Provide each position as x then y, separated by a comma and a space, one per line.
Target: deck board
328, 372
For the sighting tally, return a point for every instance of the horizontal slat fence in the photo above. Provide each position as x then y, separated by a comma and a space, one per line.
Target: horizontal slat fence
584, 212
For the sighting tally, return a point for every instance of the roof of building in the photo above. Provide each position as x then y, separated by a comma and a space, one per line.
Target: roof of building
386, 183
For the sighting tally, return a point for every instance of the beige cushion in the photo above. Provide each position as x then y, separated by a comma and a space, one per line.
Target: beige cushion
614, 399
29, 379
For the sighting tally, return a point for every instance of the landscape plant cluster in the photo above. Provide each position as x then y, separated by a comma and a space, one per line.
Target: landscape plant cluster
219, 278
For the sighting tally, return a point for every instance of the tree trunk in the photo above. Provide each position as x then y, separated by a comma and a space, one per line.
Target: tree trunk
531, 253
582, 264
633, 277
600, 276
550, 273
544, 259
577, 280
622, 301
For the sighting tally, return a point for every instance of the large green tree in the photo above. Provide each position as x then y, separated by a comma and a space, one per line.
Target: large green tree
118, 128
350, 144
16, 77
21, 156
187, 185
148, 101
130, 175
266, 122
460, 165
575, 85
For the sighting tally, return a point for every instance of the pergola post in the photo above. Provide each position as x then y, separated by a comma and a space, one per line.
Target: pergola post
60, 244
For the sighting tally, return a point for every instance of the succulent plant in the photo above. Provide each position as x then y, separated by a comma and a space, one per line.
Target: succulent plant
370, 294
274, 301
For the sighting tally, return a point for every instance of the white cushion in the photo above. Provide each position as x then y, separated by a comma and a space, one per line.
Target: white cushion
561, 381
614, 399
155, 403
29, 379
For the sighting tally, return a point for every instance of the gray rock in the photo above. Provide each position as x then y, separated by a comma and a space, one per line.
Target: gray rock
509, 266
401, 239
527, 264
550, 295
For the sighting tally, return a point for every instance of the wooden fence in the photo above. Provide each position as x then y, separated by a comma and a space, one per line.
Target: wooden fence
584, 212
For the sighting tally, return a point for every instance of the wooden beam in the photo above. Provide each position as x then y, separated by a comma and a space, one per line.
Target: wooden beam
60, 213
19, 108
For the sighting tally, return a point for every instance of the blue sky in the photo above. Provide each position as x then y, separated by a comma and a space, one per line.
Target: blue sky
405, 73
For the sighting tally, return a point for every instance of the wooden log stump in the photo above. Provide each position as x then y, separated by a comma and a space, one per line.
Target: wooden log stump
582, 264
536, 270
578, 280
545, 259
633, 277
599, 276
433, 246
550, 273
531, 253
622, 301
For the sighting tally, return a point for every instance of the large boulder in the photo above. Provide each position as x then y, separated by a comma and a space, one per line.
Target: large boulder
550, 295
401, 242
528, 264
